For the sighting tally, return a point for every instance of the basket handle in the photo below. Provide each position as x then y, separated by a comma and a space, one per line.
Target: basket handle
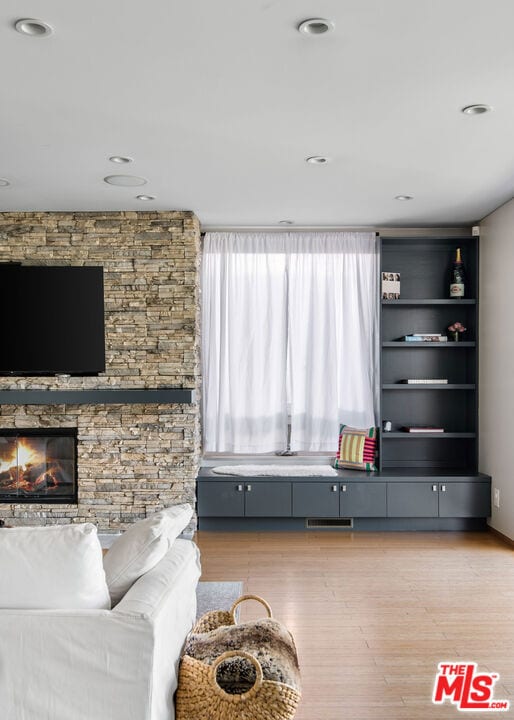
246, 656
250, 597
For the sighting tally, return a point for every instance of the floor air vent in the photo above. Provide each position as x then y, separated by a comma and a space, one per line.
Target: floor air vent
329, 522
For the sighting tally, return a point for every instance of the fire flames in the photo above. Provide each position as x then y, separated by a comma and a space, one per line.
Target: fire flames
28, 470
22, 456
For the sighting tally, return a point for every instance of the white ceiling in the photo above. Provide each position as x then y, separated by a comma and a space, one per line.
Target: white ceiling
220, 101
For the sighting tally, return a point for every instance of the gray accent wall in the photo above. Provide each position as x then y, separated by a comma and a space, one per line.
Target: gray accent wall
496, 372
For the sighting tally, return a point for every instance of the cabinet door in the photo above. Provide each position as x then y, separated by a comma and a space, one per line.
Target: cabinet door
464, 499
220, 499
315, 499
363, 499
267, 499
412, 499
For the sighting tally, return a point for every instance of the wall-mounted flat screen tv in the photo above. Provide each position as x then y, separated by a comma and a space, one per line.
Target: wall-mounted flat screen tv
51, 320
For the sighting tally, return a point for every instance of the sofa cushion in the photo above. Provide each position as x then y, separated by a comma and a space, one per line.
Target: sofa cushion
142, 546
53, 567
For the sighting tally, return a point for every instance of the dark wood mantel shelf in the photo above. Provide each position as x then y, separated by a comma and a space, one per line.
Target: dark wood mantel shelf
112, 396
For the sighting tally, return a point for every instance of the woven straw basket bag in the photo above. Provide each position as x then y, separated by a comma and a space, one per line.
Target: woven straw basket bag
200, 695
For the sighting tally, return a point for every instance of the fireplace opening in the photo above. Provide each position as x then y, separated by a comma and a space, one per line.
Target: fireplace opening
38, 466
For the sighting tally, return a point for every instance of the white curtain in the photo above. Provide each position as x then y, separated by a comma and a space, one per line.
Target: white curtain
333, 321
244, 326
290, 322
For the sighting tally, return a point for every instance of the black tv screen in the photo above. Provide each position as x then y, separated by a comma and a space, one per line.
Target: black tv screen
52, 320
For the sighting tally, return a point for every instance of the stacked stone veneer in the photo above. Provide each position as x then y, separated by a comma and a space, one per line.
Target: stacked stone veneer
132, 459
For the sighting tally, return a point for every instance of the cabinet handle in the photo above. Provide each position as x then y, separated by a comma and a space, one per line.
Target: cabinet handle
334, 488
443, 488
248, 488
343, 488
434, 488
239, 488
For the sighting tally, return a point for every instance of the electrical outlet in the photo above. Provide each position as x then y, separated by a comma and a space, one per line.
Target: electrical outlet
496, 497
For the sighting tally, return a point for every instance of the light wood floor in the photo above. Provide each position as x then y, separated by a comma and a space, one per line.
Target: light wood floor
374, 613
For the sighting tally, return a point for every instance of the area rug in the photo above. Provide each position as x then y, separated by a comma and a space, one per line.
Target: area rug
217, 596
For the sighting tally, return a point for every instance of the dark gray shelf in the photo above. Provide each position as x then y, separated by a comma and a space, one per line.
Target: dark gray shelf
424, 301
432, 436
422, 386
438, 245
160, 396
407, 344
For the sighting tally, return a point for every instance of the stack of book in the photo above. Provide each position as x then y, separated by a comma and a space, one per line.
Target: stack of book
425, 381
422, 429
425, 337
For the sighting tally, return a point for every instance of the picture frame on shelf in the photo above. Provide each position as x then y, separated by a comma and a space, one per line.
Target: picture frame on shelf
390, 285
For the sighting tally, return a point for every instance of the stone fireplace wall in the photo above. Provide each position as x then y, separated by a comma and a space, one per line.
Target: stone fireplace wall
132, 459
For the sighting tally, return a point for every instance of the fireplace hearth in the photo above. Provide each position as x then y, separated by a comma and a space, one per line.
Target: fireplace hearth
38, 466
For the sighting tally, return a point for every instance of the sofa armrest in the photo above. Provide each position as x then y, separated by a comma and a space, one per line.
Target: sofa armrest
166, 597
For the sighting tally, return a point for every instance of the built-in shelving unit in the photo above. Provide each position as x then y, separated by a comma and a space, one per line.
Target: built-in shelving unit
426, 481
424, 306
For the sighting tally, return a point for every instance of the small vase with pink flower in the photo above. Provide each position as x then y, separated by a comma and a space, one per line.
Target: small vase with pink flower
455, 330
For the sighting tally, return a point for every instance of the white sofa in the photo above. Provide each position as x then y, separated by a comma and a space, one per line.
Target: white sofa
118, 664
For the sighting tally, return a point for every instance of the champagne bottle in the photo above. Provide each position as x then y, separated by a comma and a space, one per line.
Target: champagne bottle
458, 278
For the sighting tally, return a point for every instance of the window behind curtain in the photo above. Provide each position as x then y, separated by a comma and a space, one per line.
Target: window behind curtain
289, 319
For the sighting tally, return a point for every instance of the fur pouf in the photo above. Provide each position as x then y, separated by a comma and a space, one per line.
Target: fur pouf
267, 640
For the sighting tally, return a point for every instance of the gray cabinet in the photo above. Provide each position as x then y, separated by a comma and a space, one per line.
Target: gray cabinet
439, 499
267, 499
244, 499
327, 500
221, 499
316, 499
412, 499
363, 500
450, 499
463, 499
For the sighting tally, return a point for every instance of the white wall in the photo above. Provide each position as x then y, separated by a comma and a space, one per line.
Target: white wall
496, 358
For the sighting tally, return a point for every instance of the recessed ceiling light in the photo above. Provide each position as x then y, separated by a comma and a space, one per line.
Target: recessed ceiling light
125, 180
285, 222
316, 26
317, 160
120, 159
479, 109
4, 183
404, 197
34, 28
145, 197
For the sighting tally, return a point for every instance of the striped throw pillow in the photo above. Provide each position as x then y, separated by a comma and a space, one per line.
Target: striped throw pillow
357, 448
